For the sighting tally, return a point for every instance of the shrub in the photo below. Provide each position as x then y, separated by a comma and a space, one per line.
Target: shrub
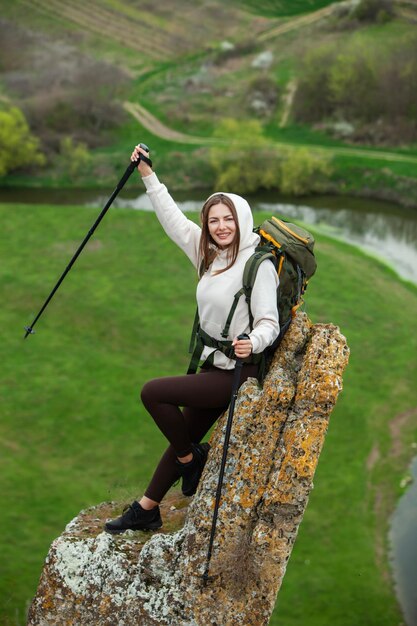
245, 164
374, 10
18, 147
303, 171
75, 158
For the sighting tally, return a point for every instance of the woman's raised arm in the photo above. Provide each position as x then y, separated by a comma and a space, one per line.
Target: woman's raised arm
184, 232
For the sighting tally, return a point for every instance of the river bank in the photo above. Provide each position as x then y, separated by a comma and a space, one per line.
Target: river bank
402, 192
366, 178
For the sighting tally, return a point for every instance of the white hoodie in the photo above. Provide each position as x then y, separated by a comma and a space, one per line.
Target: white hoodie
215, 291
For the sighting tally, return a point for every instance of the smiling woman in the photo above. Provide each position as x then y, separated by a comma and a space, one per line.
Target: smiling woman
186, 407
220, 230
222, 224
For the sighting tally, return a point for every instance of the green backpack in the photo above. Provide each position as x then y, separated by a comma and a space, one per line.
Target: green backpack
290, 248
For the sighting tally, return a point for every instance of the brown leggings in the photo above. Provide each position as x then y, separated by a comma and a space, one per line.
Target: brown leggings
204, 397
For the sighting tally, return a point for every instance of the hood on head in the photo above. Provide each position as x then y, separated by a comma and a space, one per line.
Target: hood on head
244, 214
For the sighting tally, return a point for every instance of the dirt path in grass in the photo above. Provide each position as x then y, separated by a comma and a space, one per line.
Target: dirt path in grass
154, 126
297, 22
383, 501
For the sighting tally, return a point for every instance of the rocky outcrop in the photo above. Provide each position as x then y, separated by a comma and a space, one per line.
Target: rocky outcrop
92, 578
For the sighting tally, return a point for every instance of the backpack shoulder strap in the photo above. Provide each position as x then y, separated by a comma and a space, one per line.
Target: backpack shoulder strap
236, 298
251, 270
252, 264
249, 275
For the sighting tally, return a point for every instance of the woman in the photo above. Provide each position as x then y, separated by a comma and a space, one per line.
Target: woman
219, 251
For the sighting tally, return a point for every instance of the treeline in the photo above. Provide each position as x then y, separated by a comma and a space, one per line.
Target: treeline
364, 92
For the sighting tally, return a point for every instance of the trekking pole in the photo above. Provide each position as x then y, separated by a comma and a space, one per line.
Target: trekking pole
235, 389
120, 185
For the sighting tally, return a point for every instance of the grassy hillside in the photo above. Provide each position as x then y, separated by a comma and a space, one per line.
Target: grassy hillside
73, 433
90, 58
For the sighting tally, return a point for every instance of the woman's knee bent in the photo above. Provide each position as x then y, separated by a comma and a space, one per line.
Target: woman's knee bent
149, 393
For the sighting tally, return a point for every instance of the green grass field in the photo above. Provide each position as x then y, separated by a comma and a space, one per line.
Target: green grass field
73, 433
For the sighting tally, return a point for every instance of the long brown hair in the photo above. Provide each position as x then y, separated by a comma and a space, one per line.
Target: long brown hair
208, 248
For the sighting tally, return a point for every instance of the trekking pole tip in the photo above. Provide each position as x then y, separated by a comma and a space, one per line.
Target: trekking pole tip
29, 331
206, 578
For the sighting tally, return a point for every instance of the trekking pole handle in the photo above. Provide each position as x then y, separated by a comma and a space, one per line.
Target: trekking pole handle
142, 157
133, 165
241, 337
144, 147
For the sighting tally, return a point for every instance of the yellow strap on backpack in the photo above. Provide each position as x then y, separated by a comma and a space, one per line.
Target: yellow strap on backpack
269, 237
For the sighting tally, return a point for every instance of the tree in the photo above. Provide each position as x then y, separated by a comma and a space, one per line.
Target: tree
313, 99
353, 80
18, 146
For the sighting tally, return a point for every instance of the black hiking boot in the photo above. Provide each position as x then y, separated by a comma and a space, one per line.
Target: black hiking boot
191, 471
135, 518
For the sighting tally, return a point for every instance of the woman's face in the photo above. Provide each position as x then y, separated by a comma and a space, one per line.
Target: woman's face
221, 225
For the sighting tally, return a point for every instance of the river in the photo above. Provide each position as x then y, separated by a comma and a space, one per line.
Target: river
403, 543
382, 229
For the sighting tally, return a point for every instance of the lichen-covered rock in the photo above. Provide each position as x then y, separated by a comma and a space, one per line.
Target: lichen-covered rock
92, 578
